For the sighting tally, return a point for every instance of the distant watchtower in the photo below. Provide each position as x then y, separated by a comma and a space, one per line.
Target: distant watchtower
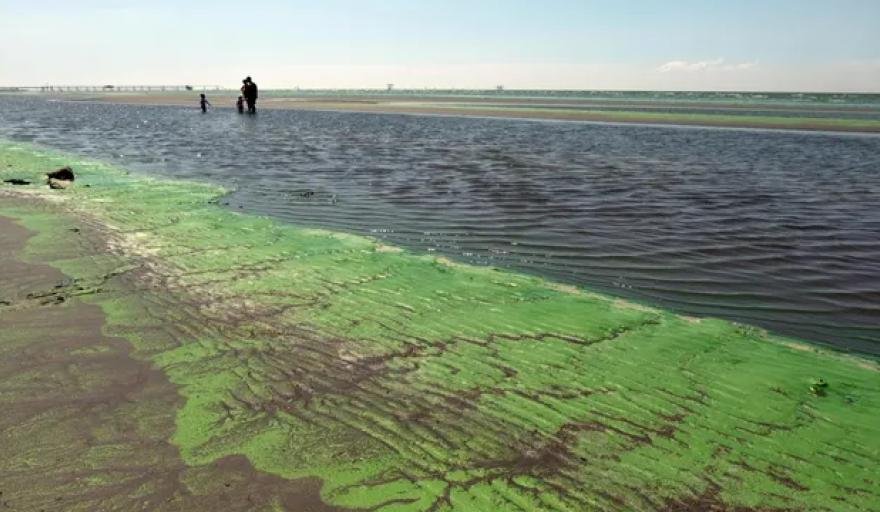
389, 87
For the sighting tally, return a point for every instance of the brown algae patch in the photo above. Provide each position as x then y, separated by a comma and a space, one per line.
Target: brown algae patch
404, 382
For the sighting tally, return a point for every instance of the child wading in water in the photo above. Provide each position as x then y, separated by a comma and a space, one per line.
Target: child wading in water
239, 104
203, 101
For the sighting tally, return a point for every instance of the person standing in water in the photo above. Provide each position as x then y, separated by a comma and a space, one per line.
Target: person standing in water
249, 91
203, 101
239, 104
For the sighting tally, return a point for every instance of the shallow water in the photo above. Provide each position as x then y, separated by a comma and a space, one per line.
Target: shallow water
865, 100
777, 229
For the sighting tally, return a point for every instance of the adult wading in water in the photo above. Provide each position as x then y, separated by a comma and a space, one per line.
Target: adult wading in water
249, 91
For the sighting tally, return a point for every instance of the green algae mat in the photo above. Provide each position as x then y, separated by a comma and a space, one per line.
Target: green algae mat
393, 381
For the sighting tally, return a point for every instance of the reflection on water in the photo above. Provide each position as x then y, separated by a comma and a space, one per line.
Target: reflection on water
776, 229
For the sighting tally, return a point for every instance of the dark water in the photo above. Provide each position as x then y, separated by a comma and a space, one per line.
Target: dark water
777, 229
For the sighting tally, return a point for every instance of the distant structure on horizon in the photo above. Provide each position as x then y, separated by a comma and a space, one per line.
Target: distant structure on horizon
113, 88
390, 87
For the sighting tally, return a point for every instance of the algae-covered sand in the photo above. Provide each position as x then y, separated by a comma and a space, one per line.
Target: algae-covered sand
306, 361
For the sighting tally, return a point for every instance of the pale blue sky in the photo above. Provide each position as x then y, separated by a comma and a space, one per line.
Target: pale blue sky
585, 44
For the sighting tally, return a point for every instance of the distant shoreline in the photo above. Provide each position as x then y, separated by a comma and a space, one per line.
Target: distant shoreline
698, 112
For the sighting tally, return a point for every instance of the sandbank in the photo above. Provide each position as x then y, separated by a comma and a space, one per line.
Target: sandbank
696, 113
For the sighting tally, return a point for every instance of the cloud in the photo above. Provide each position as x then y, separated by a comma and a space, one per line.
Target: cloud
704, 65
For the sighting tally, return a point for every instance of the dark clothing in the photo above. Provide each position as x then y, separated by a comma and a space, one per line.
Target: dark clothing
239, 104
204, 104
249, 91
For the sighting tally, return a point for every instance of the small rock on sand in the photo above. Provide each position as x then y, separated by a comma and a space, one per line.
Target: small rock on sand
61, 178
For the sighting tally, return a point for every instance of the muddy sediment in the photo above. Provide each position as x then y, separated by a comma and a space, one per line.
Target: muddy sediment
86, 426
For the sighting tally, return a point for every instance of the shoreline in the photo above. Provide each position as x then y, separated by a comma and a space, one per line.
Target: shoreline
413, 381
824, 119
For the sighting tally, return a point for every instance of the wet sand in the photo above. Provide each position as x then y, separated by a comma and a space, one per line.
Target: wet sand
826, 118
85, 424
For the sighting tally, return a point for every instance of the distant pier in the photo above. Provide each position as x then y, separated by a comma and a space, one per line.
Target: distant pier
110, 88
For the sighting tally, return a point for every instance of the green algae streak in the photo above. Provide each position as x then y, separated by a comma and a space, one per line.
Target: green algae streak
411, 383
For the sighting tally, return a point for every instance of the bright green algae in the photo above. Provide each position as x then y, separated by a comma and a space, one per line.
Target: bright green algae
407, 382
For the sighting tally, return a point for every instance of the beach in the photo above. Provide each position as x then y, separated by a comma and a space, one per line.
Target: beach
692, 112
336, 371
440, 257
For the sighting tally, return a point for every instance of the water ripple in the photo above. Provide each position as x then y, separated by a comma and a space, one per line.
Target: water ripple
777, 229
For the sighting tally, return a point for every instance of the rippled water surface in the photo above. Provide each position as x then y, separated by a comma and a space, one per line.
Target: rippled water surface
777, 229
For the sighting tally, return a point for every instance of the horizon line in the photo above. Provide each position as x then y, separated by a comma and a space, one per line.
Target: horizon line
12, 88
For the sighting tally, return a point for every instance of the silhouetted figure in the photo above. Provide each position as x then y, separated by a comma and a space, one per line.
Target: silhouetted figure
249, 91
203, 101
239, 104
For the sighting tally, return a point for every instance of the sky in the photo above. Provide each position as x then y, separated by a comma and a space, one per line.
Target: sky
769, 45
